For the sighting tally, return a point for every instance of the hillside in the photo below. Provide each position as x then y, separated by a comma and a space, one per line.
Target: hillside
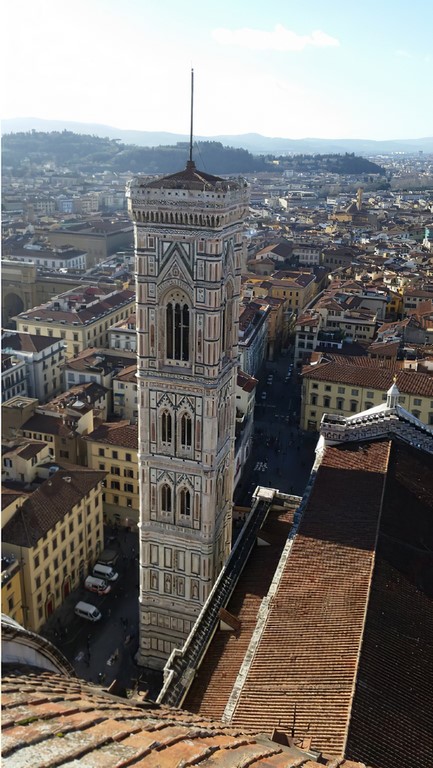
92, 154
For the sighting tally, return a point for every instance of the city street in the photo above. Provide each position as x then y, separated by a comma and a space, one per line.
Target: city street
104, 650
282, 456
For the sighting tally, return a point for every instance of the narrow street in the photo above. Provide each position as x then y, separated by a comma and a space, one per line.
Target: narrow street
281, 456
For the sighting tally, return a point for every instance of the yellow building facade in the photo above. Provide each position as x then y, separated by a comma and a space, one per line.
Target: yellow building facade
54, 558
80, 325
349, 389
112, 448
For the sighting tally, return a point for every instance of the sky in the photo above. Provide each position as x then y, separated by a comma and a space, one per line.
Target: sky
281, 68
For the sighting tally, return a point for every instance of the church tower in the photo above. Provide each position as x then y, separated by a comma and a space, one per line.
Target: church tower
188, 244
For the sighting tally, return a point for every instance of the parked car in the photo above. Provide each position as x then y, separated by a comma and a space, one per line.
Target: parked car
105, 572
94, 584
87, 611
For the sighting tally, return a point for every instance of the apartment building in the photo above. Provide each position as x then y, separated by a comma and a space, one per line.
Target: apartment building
112, 448
13, 379
11, 594
297, 289
125, 396
123, 335
42, 356
55, 531
98, 238
64, 421
345, 388
65, 257
245, 401
81, 317
253, 336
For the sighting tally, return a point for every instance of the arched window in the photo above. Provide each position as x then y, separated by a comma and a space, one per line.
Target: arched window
177, 331
185, 431
165, 498
166, 427
185, 502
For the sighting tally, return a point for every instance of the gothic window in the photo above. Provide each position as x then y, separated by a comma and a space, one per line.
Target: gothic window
185, 431
165, 498
185, 502
177, 331
166, 427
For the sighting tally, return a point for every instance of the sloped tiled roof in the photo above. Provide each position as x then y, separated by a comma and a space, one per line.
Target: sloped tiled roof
214, 681
303, 669
372, 376
392, 717
49, 504
51, 720
120, 433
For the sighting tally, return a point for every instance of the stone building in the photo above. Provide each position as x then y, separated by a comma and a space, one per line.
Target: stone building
188, 241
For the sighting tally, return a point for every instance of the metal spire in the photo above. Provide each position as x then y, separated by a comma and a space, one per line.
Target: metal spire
192, 113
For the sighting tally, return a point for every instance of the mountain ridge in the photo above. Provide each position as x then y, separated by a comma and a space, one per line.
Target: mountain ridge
253, 142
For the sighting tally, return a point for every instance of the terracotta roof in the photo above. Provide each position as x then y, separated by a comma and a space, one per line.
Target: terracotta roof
27, 342
304, 665
392, 717
246, 382
46, 425
120, 433
217, 674
189, 178
372, 376
48, 505
25, 449
82, 316
51, 719
127, 374
104, 360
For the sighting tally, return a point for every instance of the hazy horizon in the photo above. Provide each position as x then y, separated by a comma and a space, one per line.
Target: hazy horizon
285, 70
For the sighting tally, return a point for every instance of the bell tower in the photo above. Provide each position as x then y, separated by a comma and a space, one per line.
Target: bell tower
188, 245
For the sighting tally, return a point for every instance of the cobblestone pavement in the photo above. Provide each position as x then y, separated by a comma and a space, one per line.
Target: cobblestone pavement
103, 651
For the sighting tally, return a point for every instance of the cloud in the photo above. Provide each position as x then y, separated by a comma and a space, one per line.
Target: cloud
280, 39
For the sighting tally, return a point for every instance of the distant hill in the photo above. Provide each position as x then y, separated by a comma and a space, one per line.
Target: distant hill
253, 142
91, 154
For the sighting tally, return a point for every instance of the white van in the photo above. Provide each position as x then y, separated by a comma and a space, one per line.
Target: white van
97, 585
87, 611
105, 572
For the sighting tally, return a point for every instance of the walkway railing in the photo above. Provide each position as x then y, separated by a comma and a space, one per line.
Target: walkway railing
183, 662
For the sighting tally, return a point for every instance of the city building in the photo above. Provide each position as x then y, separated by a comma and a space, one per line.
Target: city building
346, 388
64, 257
81, 317
188, 240
253, 336
112, 448
14, 377
54, 529
123, 335
98, 238
11, 595
43, 357
125, 394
